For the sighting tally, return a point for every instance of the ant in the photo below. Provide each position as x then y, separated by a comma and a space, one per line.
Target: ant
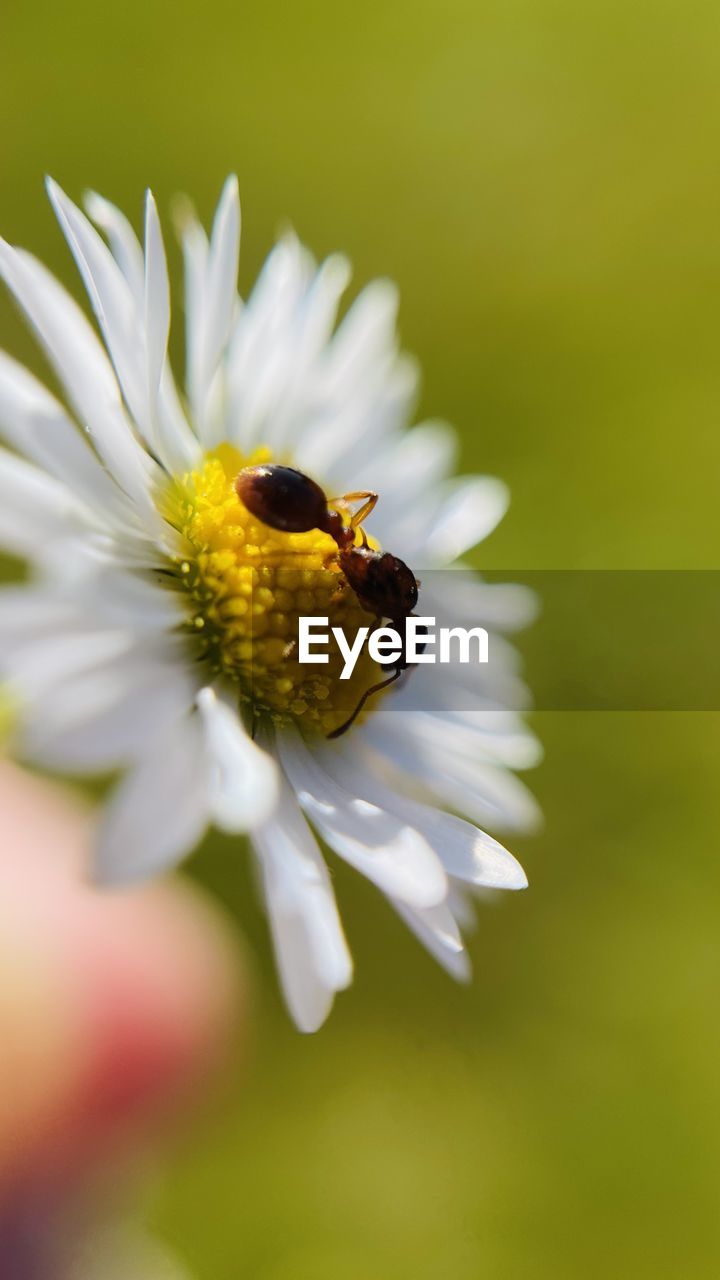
290, 501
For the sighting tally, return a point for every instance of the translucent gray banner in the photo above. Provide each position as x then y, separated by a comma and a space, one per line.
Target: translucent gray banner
575, 640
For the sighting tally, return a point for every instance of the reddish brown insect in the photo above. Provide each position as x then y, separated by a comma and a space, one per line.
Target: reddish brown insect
290, 501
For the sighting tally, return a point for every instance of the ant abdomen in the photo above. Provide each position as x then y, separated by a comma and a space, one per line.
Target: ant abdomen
282, 498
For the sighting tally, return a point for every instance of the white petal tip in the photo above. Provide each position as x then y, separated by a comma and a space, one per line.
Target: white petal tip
384, 295
311, 1028
56, 195
307, 1025
504, 872
513, 876
95, 207
182, 214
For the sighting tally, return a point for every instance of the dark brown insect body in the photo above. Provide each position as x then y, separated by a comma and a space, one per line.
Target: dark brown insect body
292, 502
382, 583
286, 499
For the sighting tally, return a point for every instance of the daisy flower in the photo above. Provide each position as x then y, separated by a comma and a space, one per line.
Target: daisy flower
153, 637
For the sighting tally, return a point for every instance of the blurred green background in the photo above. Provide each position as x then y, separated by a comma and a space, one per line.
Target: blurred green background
542, 178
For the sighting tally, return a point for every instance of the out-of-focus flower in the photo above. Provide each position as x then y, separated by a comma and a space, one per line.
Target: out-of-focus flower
155, 634
115, 1013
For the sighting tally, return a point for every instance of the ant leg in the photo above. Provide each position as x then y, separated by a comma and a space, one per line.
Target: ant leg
364, 512
368, 499
375, 688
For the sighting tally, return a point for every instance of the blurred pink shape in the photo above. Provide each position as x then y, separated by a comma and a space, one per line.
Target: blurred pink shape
114, 1008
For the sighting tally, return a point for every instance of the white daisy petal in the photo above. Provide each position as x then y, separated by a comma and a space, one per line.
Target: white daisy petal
41, 628
366, 387
103, 719
462, 596
365, 336
437, 929
143, 601
295, 391
465, 851
158, 812
377, 843
195, 256
49, 661
167, 428
262, 343
412, 466
82, 367
460, 902
495, 737
244, 778
338, 440
35, 424
27, 612
136, 333
312, 954
124, 244
210, 303
483, 792
489, 794
221, 278
37, 513
318, 310
473, 687
470, 509
111, 297
157, 302
308, 999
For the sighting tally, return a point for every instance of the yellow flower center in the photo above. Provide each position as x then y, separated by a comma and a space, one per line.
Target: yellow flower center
249, 585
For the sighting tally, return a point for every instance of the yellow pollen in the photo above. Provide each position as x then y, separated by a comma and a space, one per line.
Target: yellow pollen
249, 584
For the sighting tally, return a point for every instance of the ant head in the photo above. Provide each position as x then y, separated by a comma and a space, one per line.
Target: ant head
383, 583
282, 498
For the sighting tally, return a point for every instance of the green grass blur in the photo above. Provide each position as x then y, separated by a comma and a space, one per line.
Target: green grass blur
542, 178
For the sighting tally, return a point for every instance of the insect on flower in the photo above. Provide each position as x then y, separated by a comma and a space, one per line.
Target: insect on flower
155, 639
289, 500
